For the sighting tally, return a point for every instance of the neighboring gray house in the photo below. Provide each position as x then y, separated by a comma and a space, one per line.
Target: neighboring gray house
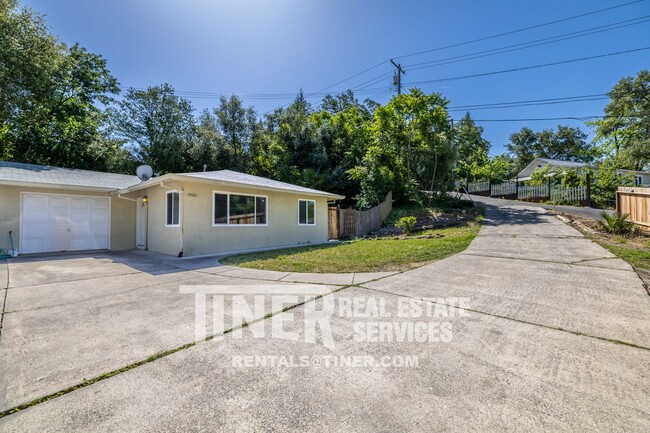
57, 209
557, 166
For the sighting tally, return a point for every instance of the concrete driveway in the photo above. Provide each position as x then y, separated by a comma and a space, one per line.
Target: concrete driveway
584, 211
548, 331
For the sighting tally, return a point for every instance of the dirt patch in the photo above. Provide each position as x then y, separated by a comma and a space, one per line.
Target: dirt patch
427, 219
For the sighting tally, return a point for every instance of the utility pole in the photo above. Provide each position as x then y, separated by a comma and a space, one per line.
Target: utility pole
397, 78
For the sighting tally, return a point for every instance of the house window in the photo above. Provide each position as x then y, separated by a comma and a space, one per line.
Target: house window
239, 209
638, 180
306, 212
173, 209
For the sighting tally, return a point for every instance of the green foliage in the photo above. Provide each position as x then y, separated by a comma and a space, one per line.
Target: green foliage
571, 178
540, 175
497, 170
47, 94
410, 149
472, 151
407, 224
605, 183
565, 143
623, 133
617, 224
159, 123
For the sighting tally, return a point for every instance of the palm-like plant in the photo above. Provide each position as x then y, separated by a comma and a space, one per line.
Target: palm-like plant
617, 224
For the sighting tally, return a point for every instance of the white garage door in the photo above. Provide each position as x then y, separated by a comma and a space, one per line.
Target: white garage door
63, 223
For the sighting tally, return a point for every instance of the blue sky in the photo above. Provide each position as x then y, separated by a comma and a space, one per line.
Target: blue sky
251, 47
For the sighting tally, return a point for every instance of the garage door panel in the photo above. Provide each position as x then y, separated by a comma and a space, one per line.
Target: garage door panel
63, 223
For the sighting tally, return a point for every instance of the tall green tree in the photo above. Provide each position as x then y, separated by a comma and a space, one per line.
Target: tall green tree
48, 93
237, 125
624, 132
158, 124
472, 149
566, 143
410, 151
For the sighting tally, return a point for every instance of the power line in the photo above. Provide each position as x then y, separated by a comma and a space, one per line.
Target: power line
531, 44
532, 102
519, 30
534, 119
543, 65
365, 90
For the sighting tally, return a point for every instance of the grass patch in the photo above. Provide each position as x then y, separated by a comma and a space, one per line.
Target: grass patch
633, 249
635, 252
364, 255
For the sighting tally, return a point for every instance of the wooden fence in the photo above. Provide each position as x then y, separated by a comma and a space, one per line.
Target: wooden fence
350, 223
635, 202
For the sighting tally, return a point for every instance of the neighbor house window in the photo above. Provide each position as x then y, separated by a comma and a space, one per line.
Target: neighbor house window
239, 209
173, 209
306, 212
638, 180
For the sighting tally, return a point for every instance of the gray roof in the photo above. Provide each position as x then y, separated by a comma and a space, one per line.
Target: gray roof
256, 181
19, 173
525, 173
560, 163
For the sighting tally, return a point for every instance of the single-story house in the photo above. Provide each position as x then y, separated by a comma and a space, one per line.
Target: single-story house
557, 166
50, 209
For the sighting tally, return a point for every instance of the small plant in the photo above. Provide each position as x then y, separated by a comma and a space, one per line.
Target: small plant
617, 224
407, 224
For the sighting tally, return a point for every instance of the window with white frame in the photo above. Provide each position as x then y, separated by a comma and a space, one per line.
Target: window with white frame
638, 179
173, 214
239, 209
306, 212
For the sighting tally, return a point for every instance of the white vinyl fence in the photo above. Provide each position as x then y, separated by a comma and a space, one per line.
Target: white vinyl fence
478, 186
503, 189
537, 191
574, 194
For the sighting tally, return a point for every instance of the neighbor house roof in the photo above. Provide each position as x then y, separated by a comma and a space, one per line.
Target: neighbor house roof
18, 173
229, 177
542, 162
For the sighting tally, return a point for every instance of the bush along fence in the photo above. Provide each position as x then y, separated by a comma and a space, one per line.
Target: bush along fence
352, 223
537, 193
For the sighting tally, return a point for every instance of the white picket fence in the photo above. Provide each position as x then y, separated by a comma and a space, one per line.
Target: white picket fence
478, 186
556, 193
503, 189
536, 191
574, 194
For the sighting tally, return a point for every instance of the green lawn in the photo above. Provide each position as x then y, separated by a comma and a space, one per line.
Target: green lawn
635, 252
363, 255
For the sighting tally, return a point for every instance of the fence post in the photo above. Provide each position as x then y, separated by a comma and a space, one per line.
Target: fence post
548, 187
517, 187
588, 185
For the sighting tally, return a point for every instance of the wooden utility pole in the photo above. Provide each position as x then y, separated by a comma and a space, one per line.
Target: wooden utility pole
397, 78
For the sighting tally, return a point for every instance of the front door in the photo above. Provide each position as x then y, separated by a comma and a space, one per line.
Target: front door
141, 224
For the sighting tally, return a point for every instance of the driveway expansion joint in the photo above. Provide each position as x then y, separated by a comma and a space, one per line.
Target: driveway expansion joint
498, 316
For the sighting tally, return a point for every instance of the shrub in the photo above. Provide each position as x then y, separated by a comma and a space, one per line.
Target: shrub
617, 224
406, 223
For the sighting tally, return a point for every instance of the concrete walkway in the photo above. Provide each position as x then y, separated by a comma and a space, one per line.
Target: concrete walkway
557, 339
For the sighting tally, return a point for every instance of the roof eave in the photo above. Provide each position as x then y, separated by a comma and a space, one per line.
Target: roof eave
195, 179
55, 186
